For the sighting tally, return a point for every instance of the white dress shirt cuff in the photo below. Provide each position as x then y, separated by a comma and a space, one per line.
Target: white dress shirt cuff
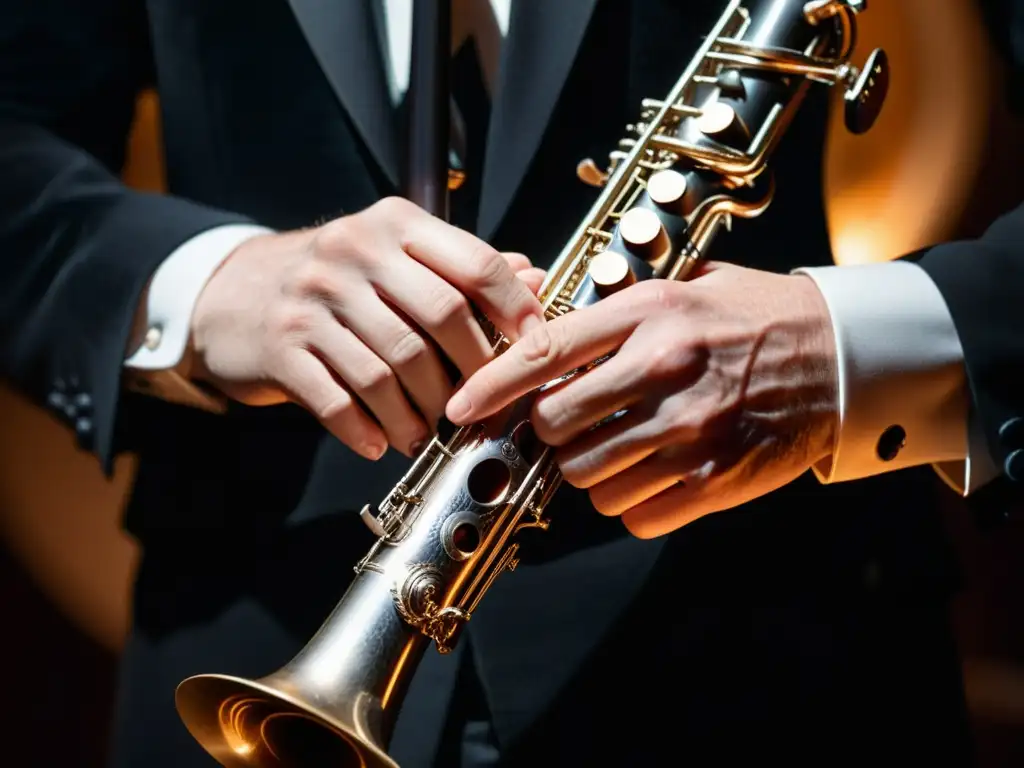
157, 364
903, 395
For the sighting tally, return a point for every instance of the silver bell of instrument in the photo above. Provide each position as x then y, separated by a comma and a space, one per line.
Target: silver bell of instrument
334, 704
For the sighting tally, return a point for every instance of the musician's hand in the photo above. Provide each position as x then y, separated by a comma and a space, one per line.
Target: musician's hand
343, 319
727, 382
525, 271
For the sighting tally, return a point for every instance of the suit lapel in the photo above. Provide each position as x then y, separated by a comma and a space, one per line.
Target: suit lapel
341, 34
536, 59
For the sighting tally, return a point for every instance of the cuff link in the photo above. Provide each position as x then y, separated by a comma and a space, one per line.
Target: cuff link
154, 335
891, 442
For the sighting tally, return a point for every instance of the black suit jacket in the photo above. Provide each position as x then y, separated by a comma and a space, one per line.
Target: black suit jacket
813, 617
982, 282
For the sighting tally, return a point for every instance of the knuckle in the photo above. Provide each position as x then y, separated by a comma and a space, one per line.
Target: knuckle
446, 306
314, 279
349, 240
408, 349
286, 321
393, 212
336, 236
335, 407
487, 267
660, 362
658, 294
540, 345
372, 377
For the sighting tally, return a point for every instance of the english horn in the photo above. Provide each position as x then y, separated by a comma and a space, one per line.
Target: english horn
694, 161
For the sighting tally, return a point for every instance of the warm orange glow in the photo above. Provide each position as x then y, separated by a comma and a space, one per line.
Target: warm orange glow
144, 165
58, 514
62, 520
903, 185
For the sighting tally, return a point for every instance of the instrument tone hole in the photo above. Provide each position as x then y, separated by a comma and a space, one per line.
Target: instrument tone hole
466, 538
527, 443
488, 481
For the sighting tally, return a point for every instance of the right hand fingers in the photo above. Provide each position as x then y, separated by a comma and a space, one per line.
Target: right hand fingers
517, 262
476, 269
441, 311
373, 381
401, 349
525, 271
308, 382
533, 277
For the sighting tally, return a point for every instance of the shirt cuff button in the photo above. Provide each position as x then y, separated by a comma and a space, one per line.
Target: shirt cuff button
154, 336
891, 442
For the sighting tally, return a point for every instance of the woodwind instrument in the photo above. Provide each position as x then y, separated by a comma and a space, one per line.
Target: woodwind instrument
696, 159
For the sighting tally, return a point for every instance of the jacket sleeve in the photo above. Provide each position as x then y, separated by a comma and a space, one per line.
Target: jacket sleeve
76, 246
982, 282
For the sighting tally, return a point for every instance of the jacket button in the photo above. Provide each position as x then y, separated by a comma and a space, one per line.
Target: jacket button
83, 402
891, 442
1012, 433
85, 433
56, 401
1014, 465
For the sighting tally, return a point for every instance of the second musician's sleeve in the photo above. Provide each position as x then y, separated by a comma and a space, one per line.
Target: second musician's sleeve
982, 283
78, 247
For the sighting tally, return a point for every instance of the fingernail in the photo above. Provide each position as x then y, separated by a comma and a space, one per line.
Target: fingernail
416, 448
374, 451
458, 407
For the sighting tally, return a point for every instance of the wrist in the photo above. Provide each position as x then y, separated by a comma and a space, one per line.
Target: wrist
219, 298
233, 290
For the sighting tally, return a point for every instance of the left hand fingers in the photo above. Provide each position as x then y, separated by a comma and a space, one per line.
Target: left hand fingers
565, 412
657, 474
703, 490
666, 511
525, 271
611, 449
544, 354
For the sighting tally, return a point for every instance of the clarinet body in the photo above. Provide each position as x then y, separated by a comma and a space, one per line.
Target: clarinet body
696, 160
